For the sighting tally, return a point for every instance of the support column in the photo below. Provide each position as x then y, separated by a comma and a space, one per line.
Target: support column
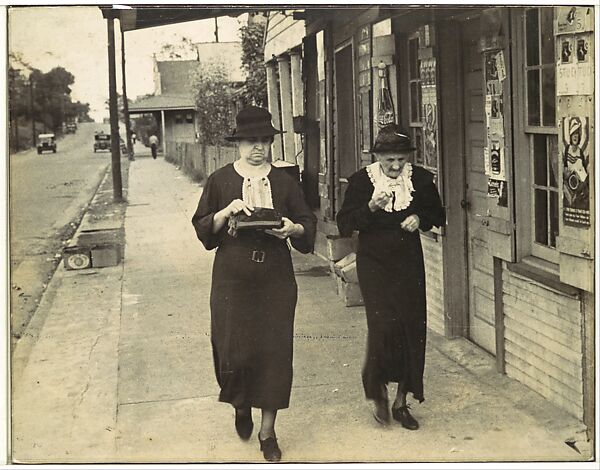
272, 96
163, 132
285, 88
113, 110
125, 101
297, 102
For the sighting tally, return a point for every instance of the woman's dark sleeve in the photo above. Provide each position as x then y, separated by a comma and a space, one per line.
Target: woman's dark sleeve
300, 213
205, 213
429, 206
355, 213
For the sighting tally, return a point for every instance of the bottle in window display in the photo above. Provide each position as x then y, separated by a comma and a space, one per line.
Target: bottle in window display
385, 106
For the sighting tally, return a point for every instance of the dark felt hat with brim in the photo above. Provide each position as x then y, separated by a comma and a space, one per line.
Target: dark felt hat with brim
253, 121
392, 138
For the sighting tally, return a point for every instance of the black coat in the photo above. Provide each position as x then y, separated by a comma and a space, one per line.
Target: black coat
392, 280
253, 304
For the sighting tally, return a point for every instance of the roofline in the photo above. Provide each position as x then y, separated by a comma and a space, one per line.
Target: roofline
149, 109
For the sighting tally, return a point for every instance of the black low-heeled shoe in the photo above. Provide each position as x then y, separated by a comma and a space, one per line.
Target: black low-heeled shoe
270, 449
403, 416
243, 423
381, 412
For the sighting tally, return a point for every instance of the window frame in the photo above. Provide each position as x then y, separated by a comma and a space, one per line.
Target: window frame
529, 132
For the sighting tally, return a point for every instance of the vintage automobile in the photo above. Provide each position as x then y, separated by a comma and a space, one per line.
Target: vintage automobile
71, 128
46, 142
101, 141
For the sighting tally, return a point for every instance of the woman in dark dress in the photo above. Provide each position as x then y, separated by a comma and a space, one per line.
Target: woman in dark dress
253, 295
388, 202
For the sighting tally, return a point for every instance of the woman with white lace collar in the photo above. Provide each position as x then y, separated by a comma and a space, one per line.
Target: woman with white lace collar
387, 203
253, 292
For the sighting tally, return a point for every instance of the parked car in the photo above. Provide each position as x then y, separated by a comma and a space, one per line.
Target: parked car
71, 128
101, 141
46, 142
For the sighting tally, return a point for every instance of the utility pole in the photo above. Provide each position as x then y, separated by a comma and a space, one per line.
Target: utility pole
125, 101
113, 109
216, 30
33, 136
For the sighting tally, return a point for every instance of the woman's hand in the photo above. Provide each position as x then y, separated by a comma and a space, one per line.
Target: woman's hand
379, 199
236, 206
289, 229
411, 223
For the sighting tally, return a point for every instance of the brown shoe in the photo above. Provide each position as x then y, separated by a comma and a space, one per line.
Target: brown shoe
403, 416
381, 412
270, 449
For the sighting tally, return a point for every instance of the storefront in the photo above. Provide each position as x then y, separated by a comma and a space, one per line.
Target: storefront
500, 104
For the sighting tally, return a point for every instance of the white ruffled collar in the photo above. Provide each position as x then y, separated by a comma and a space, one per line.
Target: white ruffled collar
256, 189
401, 187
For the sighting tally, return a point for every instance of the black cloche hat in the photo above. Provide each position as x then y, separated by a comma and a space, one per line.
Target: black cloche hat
392, 138
253, 121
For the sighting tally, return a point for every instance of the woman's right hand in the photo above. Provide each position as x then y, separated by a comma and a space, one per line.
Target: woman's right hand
379, 199
236, 206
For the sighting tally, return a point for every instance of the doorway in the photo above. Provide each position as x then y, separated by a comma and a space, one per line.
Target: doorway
346, 161
481, 317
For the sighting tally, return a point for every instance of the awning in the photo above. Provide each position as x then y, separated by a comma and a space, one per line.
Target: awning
151, 16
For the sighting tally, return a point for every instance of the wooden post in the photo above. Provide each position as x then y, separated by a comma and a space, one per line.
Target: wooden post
297, 102
272, 94
125, 101
114, 113
164, 140
285, 87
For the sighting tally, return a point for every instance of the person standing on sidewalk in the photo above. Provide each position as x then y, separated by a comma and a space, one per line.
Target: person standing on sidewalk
254, 292
153, 145
388, 202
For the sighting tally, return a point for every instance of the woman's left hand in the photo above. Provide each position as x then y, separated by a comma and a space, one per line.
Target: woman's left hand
289, 229
411, 223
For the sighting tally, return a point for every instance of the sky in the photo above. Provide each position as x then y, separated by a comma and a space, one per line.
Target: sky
75, 37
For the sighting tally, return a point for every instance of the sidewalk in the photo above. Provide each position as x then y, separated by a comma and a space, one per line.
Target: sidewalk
117, 367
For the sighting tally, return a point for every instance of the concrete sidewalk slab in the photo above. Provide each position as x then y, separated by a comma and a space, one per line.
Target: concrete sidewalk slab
132, 379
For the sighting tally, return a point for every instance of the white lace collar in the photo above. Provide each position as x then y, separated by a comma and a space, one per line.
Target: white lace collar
401, 187
256, 189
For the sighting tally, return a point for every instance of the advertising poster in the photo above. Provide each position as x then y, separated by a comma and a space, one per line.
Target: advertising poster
575, 162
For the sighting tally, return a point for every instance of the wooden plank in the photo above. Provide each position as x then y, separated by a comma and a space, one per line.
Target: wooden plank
535, 336
537, 312
551, 395
568, 365
523, 282
571, 379
499, 317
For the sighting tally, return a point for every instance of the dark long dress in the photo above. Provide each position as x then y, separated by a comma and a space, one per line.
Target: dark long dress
391, 275
253, 303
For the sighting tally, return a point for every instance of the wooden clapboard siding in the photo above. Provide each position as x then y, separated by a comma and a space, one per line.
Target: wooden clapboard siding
432, 255
283, 33
543, 340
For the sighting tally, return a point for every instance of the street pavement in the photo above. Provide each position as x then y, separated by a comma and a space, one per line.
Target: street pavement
117, 367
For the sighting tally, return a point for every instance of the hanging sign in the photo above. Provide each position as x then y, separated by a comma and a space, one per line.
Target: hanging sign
575, 161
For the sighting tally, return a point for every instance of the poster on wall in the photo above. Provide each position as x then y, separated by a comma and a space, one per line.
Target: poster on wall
574, 71
575, 162
429, 113
493, 83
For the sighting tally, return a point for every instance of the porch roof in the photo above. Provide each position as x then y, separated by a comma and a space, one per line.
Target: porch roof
162, 103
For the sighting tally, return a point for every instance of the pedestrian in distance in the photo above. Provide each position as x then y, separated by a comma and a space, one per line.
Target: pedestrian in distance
133, 137
388, 202
254, 292
153, 145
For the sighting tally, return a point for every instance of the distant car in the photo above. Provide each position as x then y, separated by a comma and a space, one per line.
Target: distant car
71, 128
101, 141
46, 142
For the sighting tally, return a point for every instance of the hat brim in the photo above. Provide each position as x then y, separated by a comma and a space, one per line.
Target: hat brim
235, 137
390, 150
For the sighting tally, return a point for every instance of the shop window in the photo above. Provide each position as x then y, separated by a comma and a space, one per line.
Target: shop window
189, 118
541, 130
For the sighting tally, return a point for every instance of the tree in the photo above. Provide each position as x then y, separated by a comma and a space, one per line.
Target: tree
213, 95
184, 49
253, 63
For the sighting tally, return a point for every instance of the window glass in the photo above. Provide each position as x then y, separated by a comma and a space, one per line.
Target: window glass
553, 158
540, 160
533, 55
548, 97
413, 58
533, 97
553, 218
547, 35
541, 216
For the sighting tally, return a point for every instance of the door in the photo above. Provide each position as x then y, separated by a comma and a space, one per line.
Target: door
346, 162
479, 261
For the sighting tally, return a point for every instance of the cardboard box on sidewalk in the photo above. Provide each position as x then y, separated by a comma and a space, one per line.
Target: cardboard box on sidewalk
338, 247
77, 257
351, 294
338, 266
349, 274
105, 255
